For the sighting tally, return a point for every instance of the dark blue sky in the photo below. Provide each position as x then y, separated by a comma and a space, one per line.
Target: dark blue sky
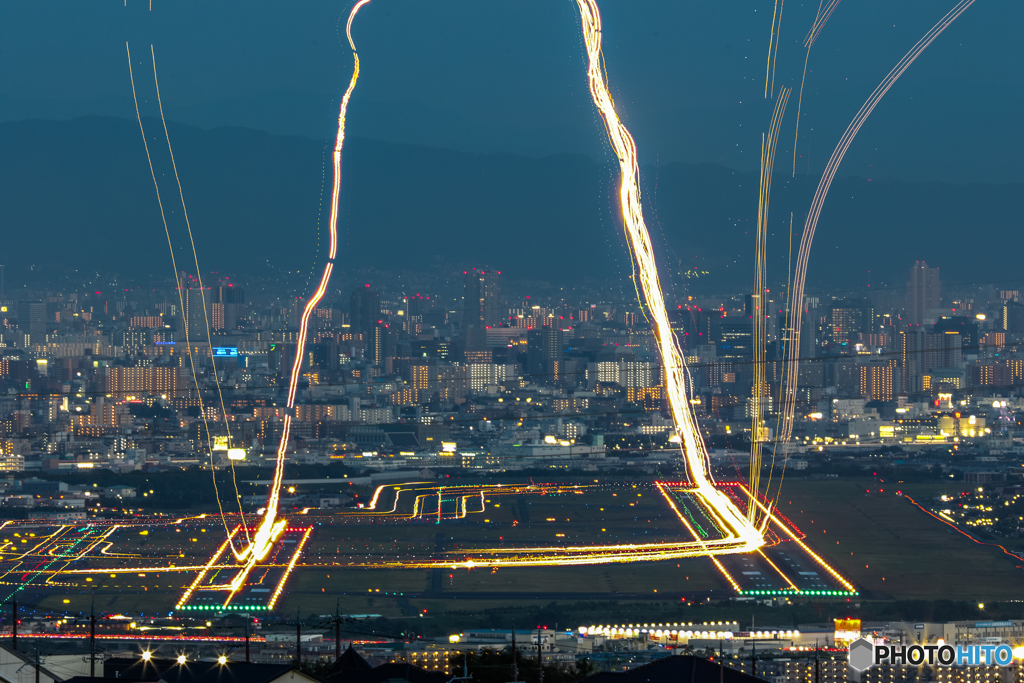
486, 76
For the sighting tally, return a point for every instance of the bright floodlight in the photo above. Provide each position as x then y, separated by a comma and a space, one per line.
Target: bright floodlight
181, 659
222, 660
146, 654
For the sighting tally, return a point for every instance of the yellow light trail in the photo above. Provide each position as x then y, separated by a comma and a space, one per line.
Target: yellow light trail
693, 448
270, 527
759, 390
174, 265
206, 314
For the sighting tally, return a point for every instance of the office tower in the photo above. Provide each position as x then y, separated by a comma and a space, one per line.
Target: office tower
924, 292
195, 316
850, 319
364, 309
418, 304
942, 351
692, 326
965, 326
544, 350
736, 339
32, 318
228, 308
483, 298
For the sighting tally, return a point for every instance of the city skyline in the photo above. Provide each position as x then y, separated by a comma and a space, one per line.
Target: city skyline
572, 357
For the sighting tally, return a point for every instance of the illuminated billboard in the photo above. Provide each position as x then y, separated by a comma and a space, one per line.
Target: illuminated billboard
847, 631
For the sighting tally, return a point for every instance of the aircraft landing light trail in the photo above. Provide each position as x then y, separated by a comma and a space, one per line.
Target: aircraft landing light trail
89, 558
748, 536
755, 549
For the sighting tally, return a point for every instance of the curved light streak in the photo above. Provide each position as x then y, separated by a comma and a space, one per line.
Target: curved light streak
270, 526
792, 362
693, 448
759, 389
206, 314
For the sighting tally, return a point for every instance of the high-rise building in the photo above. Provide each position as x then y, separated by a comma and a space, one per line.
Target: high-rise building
848, 320
228, 307
195, 316
736, 339
1013, 316
876, 379
483, 298
364, 309
942, 351
924, 292
381, 344
32, 318
544, 348
967, 328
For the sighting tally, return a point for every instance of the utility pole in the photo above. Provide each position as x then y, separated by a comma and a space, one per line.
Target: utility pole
92, 640
753, 658
817, 666
337, 629
37, 663
248, 618
298, 639
515, 670
14, 624
540, 659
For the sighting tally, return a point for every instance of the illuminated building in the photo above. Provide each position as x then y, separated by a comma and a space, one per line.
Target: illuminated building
876, 379
997, 339
230, 300
966, 327
404, 397
482, 298
924, 292
990, 373
474, 347
317, 412
849, 319
430, 660
735, 339
134, 381
146, 322
543, 347
650, 397
195, 315
488, 374
10, 462
1013, 316
381, 344
419, 376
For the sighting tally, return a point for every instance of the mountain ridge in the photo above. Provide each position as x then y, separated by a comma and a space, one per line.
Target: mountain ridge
256, 198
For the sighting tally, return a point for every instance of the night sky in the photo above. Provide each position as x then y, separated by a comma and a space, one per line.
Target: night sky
485, 76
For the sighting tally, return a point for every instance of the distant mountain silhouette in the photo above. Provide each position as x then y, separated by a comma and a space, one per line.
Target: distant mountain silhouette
79, 193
